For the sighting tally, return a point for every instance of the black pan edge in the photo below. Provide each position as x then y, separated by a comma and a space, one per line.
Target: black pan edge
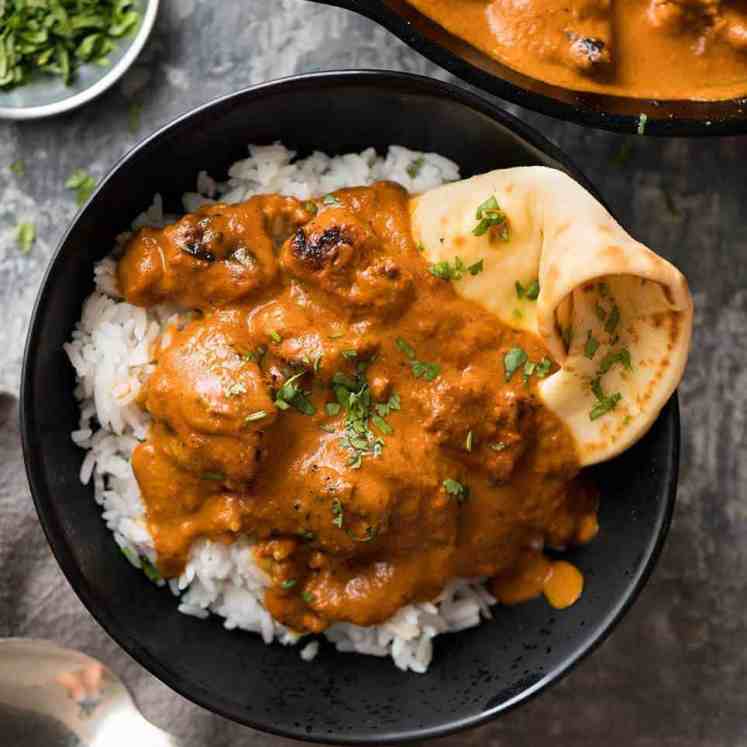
613, 113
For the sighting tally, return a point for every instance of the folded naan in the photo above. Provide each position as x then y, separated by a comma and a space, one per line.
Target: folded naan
614, 315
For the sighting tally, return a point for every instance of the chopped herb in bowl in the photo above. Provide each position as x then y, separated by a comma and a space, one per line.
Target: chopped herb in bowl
56, 37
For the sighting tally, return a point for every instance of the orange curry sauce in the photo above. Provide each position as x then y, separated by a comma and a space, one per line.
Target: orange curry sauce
668, 49
339, 403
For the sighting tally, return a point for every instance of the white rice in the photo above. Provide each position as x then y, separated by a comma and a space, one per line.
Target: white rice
110, 351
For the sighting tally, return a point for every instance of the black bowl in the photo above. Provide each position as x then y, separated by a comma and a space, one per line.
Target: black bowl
617, 113
340, 697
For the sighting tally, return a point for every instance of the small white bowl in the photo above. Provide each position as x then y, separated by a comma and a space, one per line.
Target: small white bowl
46, 96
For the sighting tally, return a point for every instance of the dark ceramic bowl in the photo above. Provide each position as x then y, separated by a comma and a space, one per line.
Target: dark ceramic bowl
617, 113
476, 674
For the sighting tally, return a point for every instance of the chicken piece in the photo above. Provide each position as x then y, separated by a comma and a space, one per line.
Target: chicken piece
210, 403
482, 425
216, 256
340, 253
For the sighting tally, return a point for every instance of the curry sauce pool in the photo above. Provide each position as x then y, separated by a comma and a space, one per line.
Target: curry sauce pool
299, 422
664, 49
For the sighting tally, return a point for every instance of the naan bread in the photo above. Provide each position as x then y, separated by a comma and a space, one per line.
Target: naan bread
614, 315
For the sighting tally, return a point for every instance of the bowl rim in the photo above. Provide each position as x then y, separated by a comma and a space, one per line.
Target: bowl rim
580, 114
135, 46
55, 535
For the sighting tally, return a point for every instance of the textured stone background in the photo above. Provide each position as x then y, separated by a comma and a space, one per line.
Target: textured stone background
674, 673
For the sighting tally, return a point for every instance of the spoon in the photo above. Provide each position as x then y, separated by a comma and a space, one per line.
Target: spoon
55, 697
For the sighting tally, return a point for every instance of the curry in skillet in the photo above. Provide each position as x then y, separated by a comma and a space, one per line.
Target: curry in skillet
667, 49
333, 397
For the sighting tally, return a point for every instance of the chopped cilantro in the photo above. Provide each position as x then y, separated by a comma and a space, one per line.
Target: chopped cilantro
499, 446
420, 369
489, 214
446, 271
134, 111
332, 408
405, 347
602, 407
150, 571
600, 312
349, 354
591, 346
290, 395
612, 320
390, 405
456, 489
289, 583
310, 207
25, 237
276, 337
307, 597
382, 425
477, 267
330, 200
369, 535
55, 38
533, 290
513, 360
620, 356
18, 167
427, 371
337, 513
543, 368
83, 184
414, 168
355, 397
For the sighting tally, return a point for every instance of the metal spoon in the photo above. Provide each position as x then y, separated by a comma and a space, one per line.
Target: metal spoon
55, 697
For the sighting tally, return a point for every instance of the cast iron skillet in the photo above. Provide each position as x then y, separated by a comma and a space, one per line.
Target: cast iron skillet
617, 113
340, 698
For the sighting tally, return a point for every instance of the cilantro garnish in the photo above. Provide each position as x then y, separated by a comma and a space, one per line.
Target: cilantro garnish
25, 237
612, 320
530, 291
591, 346
337, 513
420, 369
456, 489
150, 571
489, 214
83, 184
354, 396
291, 395
415, 166
513, 360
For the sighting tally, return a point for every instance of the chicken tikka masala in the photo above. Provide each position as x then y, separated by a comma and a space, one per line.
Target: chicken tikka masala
331, 396
666, 49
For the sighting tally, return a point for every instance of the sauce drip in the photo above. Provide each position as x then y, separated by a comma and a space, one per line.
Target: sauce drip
666, 49
332, 398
